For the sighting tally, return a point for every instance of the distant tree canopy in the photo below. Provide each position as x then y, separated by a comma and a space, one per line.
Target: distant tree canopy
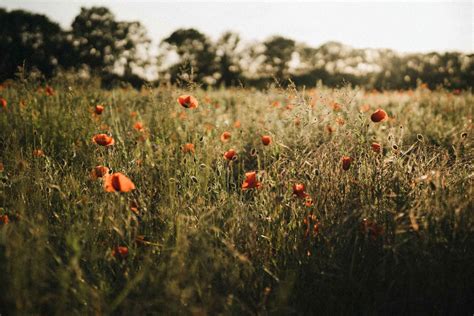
119, 51
102, 43
196, 54
277, 55
96, 40
228, 59
29, 40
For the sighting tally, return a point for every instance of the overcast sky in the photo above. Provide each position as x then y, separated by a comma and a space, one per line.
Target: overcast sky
405, 26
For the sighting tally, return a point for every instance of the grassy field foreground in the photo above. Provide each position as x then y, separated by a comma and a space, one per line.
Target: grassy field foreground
391, 234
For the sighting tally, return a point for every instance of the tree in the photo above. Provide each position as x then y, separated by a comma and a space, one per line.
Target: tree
228, 57
106, 45
195, 54
31, 40
278, 53
135, 45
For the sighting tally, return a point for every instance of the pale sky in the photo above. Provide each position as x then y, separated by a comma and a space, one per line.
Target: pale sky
405, 26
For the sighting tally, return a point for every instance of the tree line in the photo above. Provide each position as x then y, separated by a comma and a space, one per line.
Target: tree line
119, 52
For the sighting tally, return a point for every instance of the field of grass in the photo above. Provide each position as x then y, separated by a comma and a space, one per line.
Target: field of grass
394, 233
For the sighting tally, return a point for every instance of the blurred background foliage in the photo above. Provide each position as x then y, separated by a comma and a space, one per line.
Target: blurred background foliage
121, 52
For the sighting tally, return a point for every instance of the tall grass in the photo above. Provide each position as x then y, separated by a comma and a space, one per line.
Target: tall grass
395, 231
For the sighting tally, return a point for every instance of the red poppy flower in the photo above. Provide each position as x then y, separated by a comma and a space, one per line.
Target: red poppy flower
230, 154
3, 103
298, 190
49, 91
4, 219
188, 148
103, 140
118, 182
346, 162
188, 101
99, 172
38, 153
376, 147
225, 136
378, 116
336, 106
138, 126
266, 140
237, 124
250, 181
120, 252
99, 109
308, 201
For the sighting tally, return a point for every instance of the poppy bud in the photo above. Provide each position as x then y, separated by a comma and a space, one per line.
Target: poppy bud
99, 109
266, 140
346, 162
378, 116
99, 172
376, 147
298, 190
120, 252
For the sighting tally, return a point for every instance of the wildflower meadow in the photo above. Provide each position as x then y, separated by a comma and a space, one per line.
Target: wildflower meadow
183, 200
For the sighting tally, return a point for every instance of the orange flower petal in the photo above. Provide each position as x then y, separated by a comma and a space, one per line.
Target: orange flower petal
379, 116
346, 162
99, 109
118, 182
250, 181
188, 148
298, 190
99, 172
230, 154
103, 140
120, 252
266, 140
138, 126
188, 101
4, 219
376, 147
225, 136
